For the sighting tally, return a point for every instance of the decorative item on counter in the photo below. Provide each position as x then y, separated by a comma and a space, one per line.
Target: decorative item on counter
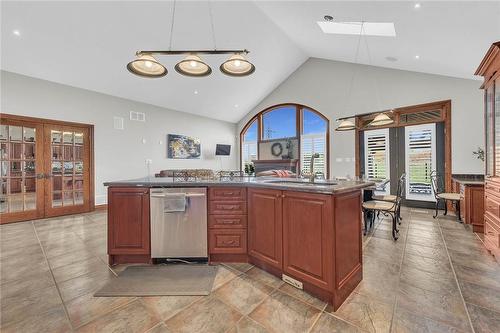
479, 153
249, 169
289, 147
230, 175
183, 147
277, 149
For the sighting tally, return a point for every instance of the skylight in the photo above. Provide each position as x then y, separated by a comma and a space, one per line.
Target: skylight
385, 29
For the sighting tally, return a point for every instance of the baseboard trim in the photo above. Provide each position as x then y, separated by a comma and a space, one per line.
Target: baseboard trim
101, 207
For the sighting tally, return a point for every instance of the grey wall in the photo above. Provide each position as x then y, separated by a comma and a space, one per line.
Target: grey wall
324, 85
119, 154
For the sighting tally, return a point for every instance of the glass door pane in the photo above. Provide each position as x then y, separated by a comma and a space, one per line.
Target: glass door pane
420, 154
377, 156
18, 165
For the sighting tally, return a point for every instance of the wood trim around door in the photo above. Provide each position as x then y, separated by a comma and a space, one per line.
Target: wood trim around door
40, 122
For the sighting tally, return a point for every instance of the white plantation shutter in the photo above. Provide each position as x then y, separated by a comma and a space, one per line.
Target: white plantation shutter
420, 161
377, 155
310, 144
249, 152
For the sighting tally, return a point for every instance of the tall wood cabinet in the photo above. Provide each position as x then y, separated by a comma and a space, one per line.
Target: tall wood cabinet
490, 70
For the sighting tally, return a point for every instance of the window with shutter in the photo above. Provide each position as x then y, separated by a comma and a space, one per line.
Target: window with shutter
420, 151
377, 163
309, 145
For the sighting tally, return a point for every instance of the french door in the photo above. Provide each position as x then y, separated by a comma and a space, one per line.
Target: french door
45, 168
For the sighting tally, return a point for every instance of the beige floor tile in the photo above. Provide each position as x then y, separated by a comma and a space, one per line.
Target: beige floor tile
485, 278
428, 252
76, 269
19, 270
282, 312
160, 328
53, 321
242, 267
243, 293
482, 296
70, 258
223, 276
247, 325
27, 285
264, 277
365, 312
329, 324
434, 282
167, 306
303, 296
206, 315
408, 322
86, 308
84, 284
447, 307
134, 317
432, 265
484, 320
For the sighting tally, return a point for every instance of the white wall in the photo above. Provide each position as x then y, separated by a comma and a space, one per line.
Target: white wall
119, 154
324, 85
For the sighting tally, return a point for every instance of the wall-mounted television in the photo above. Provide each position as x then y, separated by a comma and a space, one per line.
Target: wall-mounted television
222, 150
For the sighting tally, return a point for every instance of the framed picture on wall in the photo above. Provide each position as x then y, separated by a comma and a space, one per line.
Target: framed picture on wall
183, 147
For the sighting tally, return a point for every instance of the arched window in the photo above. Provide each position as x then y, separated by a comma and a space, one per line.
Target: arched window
302, 131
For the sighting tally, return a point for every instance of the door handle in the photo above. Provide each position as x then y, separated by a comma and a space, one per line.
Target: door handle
40, 176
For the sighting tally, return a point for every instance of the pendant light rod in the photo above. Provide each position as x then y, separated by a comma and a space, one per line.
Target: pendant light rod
177, 52
365, 114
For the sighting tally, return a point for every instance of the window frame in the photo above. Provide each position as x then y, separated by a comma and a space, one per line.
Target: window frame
299, 108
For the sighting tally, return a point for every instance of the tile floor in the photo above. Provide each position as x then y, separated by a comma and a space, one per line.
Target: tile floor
436, 278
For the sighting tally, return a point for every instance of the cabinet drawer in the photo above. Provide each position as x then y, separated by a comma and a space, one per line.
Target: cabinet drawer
228, 193
227, 221
227, 241
228, 207
491, 233
492, 205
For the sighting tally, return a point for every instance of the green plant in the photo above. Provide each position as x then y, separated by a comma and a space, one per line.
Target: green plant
479, 153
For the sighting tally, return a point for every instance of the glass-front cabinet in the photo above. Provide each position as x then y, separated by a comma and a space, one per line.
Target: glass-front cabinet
489, 69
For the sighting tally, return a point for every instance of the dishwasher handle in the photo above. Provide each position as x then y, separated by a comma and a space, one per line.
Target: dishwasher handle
188, 195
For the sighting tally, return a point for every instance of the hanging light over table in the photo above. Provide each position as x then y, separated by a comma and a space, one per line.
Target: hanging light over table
381, 120
147, 66
192, 65
237, 65
346, 125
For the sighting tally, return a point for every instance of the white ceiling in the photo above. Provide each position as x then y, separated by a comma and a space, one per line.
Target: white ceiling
88, 44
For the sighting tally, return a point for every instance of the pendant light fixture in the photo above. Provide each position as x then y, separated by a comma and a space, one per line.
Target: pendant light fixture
146, 66
381, 119
192, 65
237, 65
345, 125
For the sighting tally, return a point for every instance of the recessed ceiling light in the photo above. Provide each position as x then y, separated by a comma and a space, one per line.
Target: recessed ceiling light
391, 59
196, 92
417, 57
354, 28
16, 32
417, 5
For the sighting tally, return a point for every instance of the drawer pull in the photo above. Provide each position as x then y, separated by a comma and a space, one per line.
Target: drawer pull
228, 221
227, 207
230, 242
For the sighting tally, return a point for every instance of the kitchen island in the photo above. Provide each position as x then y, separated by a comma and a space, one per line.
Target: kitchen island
309, 232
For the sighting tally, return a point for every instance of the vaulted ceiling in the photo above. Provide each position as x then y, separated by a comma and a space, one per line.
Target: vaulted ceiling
87, 44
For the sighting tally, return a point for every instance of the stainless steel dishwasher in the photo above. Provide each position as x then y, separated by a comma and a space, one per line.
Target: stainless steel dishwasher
179, 232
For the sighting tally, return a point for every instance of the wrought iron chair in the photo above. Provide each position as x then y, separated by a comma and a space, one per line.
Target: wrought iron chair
390, 197
392, 208
438, 187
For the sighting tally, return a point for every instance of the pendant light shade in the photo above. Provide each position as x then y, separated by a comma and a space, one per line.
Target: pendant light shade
147, 66
346, 125
381, 119
237, 65
192, 65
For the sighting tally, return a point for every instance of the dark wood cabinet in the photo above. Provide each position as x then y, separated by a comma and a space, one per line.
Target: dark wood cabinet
128, 224
471, 201
489, 69
307, 241
265, 226
227, 224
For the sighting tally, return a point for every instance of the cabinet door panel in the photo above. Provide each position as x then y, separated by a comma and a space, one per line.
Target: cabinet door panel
265, 226
307, 241
128, 221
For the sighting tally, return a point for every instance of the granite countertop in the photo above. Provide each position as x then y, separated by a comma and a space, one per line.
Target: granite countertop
325, 187
469, 179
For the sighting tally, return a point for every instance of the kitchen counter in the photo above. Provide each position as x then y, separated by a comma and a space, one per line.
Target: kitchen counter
302, 185
472, 200
468, 179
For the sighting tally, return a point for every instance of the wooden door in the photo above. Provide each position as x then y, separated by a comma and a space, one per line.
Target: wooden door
307, 240
21, 171
128, 221
67, 161
265, 226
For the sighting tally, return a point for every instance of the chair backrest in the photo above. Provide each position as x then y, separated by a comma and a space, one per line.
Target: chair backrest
401, 186
383, 185
437, 183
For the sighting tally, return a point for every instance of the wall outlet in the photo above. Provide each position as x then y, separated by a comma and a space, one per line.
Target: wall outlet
118, 123
149, 161
291, 281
